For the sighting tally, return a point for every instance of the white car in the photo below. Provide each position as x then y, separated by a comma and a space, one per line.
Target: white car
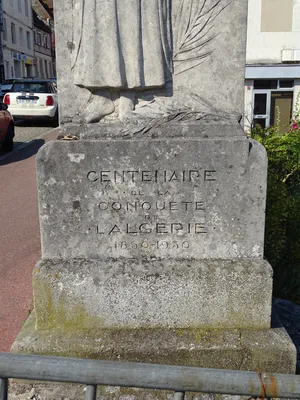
33, 99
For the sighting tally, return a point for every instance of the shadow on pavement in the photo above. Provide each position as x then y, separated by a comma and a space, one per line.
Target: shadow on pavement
18, 155
286, 314
35, 123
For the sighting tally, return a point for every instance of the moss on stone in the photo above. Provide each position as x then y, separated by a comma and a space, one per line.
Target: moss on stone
61, 313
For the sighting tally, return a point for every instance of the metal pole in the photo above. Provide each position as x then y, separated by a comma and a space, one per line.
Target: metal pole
148, 376
91, 392
179, 396
3, 389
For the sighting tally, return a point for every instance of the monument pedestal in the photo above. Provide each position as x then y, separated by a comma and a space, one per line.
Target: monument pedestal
268, 350
132, 294
153, 252
152, 229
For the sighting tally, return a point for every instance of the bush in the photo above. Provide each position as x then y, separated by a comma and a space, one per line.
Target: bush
282, 238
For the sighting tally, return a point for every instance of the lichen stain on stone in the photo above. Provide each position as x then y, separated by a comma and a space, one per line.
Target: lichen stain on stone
61, 314
201, 335
76, 204
70, 46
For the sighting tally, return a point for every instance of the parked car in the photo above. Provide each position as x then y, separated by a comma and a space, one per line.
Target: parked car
33, 99
6, 86
7, 129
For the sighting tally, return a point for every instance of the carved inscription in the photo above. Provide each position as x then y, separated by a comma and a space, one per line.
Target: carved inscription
159, 228
135, 205
132, 206
151, 176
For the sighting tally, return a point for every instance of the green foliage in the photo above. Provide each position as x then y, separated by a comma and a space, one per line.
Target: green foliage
282, 242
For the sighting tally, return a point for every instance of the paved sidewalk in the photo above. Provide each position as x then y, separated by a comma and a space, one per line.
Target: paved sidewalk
20, 237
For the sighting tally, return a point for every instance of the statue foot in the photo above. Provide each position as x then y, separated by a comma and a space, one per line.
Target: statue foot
97, 108
126, 106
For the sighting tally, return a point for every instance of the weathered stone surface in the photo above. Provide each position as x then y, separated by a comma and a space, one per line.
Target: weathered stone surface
202, 69
263, 350
90, 295
191, 198
211, 127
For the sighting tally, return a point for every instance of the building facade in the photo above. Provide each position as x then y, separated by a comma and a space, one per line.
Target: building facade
43, 21
43, 62
17, 39
273, 62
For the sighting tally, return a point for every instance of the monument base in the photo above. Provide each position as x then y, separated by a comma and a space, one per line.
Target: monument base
143, 293
264, 350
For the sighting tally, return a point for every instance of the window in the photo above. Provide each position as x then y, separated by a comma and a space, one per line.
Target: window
286, 83
265, 84
39, 38
13, 33
21, 35
277, 15
36, 87
260, 103
45, 41
28, 38
19, 6
273, 84
4, 29
281, 109
26, 8
273, 102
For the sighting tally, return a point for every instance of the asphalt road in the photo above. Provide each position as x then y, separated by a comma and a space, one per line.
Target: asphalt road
19, 228
26, 131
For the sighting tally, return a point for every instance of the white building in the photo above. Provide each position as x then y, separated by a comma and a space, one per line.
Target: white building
273, 62
17, 39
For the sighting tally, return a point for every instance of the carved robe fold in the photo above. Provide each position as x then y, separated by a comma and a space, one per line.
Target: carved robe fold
122, 44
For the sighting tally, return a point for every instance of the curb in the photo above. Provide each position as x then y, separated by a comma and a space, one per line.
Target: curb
26, 144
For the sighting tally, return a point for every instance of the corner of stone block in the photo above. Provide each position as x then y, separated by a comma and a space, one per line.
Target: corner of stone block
43, 152
57, 311
257, 148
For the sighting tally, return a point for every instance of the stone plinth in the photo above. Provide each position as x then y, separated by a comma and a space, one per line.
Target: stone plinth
124, 294
152, 251
239, 349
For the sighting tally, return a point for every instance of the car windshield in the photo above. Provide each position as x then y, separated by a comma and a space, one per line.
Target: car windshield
34, 87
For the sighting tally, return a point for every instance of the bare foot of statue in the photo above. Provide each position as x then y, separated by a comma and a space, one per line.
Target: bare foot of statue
126, 105
97, 108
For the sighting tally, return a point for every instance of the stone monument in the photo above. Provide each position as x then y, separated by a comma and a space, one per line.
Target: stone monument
152, 208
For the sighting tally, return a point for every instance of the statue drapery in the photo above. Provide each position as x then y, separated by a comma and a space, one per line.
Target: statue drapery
122, 44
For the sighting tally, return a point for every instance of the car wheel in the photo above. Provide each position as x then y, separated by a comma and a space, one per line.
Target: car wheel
8, 143
55, 121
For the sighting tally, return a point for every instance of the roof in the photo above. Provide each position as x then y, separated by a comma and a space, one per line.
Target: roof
45, 7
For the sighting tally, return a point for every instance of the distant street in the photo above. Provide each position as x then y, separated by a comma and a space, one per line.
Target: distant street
19, 228
26, 131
